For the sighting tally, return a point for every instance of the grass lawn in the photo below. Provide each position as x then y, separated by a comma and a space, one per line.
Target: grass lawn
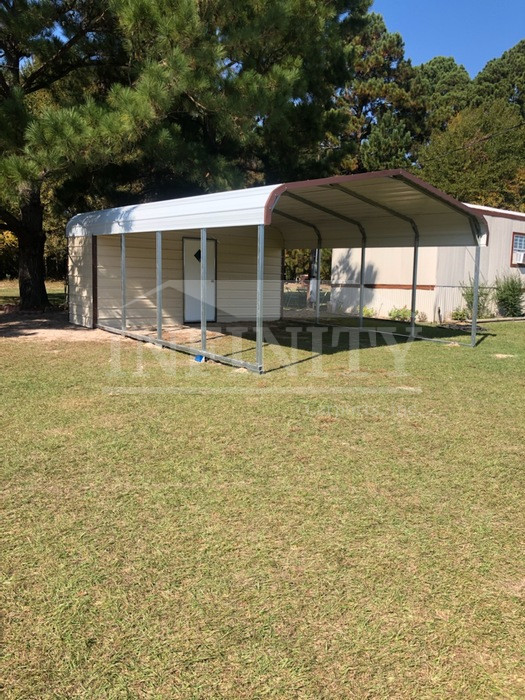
9, 293
347, 528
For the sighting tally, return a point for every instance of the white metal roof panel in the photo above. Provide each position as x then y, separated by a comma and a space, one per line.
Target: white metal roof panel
387, 205
219, 210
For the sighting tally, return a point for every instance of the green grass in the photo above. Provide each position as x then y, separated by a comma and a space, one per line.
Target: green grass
356, 534
9, 293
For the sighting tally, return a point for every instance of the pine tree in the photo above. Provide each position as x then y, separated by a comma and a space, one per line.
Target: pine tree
378, 84
42, 46
503, 78
388, 145
444, 88
100, 100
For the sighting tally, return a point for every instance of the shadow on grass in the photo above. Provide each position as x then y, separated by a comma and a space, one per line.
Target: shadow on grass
328, 338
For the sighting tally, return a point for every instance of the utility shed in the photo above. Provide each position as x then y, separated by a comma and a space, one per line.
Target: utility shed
218, 257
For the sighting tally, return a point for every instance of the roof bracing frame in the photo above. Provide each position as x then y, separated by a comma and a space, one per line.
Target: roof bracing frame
349, 220
415, 229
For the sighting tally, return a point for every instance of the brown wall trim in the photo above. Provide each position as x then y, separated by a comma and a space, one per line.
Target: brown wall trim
512, 263
355, 285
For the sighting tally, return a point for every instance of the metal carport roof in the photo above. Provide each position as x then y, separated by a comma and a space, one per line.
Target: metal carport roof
388, 206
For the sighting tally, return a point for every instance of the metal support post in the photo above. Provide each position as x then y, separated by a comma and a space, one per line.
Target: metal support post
204, 280
414, 286
158, 252
318, 254
260, 297
123, 280
362, 280
475, 298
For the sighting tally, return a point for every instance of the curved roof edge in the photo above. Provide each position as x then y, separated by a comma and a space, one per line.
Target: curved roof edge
396, 173
245, 207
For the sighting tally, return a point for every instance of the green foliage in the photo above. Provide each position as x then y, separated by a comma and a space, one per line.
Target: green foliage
503, 78
508, 295
106, 103
379, 85
484, 298
299, 260
403, 314
368, 312
480, 157
388, 145
460, 314
8, 255
444, 87
296, 262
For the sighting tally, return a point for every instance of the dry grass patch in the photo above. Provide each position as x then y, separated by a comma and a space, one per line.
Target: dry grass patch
221, 535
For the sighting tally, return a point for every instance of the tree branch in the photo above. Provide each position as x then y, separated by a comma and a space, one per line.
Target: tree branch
47, 82
62, 51
10, 222
4, 87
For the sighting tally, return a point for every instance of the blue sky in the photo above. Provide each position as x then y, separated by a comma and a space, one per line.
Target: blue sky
472, 31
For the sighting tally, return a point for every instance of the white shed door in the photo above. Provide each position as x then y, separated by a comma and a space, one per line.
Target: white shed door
192, 279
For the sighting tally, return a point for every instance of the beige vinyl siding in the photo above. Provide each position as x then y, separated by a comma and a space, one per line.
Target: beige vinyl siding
445, 267
108, 280
456, 265
500, 245
236, 276
140, 279
383, 266
80, 281
346, 300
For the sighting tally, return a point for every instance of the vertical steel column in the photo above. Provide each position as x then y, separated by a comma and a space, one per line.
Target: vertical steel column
123, 279
362, 280
475, 298
204, 282
318, 254
414, 286
158, 253
259, 330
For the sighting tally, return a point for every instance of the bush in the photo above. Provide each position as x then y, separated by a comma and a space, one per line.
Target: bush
459, 314
484, 298
403, 314
368, 312
508, 295
422, 317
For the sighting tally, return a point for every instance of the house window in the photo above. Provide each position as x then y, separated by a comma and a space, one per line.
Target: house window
518, 249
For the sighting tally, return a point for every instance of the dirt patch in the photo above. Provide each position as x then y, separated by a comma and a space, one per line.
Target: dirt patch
54, 325
46, 327
502, 356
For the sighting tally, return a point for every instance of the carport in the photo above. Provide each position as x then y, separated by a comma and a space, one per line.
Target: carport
391, 208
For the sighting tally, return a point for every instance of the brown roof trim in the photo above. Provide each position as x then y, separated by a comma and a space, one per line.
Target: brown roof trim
355, 285
499, 213
397, 173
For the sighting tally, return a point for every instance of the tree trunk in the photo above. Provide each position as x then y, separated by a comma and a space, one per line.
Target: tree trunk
31, 267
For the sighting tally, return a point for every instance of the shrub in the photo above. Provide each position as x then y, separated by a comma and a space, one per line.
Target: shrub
422, 317
403, 314
484, 297
459, 314
368, 312
508, 295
